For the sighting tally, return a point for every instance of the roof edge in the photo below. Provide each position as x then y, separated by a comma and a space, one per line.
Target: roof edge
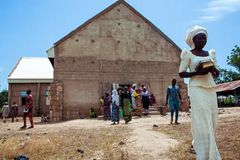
47, 80
152, 25
227, 88
15, 67
88, 21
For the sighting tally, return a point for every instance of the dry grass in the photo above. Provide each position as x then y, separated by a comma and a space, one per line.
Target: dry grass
96, 143
228, 139
182, 133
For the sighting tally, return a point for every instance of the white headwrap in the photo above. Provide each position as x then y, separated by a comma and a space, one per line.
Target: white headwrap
115, 97
192, 32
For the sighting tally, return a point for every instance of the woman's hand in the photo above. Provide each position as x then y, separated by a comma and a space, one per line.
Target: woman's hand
215, 72
203, 71
191, 74
181, 101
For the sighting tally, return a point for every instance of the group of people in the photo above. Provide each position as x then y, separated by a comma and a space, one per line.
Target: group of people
13, 112
126, 101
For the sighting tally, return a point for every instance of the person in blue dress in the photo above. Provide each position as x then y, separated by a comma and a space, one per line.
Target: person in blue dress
174, 100
115, 107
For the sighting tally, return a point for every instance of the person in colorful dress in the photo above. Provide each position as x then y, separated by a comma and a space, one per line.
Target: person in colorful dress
101, 102
138, 101
115, 107
126, 105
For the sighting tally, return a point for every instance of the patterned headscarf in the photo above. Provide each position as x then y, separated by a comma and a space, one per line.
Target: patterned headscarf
192, 32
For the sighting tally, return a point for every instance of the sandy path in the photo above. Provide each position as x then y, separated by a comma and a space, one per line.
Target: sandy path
146, 142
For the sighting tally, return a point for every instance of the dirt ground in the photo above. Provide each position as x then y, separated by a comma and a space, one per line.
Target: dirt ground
101, 140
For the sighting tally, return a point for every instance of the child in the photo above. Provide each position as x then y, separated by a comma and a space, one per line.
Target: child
93, 113
101, 102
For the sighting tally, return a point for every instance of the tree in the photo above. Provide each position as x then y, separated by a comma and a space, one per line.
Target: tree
3, 97
234, 58
234, 61
227, 76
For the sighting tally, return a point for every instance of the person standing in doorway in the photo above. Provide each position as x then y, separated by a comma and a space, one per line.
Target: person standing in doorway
152, 99
145, 100
174, 99
28, 110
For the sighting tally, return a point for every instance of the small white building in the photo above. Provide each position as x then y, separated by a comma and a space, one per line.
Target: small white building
35, 73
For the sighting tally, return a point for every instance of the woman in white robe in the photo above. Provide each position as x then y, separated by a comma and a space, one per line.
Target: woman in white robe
202, 93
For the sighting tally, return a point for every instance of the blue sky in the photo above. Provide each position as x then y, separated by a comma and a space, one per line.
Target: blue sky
28, 28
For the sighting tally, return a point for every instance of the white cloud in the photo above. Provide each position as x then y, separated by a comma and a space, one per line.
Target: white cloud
216, 9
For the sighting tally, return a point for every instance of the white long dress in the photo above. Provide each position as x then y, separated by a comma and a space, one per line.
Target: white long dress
204, 107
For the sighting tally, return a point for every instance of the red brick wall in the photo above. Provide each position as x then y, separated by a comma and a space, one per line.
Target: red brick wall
39, 102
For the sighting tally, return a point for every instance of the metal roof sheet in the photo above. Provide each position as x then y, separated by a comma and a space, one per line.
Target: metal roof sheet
228, 86
32, 69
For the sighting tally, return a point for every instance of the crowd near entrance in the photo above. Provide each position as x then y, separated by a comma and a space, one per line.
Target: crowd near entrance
125, 101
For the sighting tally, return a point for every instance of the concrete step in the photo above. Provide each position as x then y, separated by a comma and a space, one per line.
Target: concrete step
154, 113
100, 117
153, 109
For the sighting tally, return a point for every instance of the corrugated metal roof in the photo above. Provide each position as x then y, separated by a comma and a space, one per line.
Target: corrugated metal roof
228, 86
32, 70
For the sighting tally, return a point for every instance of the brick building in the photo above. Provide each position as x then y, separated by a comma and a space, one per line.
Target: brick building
35, 73
117, 46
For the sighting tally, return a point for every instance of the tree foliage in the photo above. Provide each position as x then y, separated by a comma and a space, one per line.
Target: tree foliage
227, 76
3, 97
234, 59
